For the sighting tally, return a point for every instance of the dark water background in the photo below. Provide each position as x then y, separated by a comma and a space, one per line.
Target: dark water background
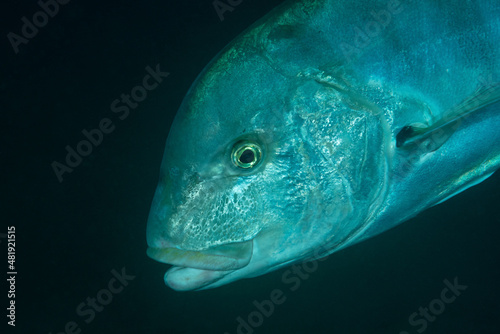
71, 235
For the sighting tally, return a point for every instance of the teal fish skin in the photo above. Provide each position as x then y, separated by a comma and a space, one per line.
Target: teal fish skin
322, 88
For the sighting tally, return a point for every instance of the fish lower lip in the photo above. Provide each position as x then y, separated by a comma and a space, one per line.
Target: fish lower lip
221, 258
185, 279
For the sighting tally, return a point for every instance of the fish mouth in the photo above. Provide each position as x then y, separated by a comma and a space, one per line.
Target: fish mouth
196, 269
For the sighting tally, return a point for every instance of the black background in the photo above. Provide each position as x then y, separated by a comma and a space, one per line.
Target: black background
70, 235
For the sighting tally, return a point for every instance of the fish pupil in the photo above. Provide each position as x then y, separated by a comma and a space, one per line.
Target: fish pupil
247, 156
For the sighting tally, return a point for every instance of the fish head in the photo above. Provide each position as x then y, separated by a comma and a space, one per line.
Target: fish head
262, 168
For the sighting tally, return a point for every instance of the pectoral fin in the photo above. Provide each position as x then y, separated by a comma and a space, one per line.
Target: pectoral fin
429, 139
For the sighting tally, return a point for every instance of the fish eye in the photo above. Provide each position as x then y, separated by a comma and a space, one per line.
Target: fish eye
246, 154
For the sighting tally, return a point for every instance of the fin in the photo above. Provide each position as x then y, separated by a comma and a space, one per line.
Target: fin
412, 136
467, 186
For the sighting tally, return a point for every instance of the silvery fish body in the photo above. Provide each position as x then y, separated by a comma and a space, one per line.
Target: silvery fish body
325, 123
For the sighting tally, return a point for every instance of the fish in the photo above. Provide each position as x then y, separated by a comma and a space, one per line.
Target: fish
325, 123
